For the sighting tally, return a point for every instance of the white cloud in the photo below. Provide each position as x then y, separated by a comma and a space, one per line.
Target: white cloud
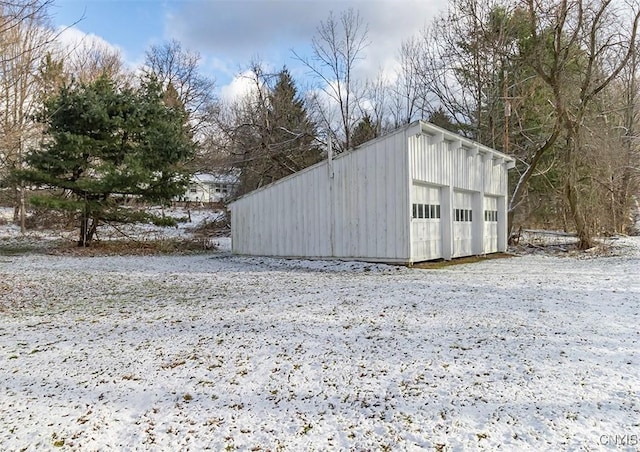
241, 85
241, 30
219, 66
74, 40
74, 44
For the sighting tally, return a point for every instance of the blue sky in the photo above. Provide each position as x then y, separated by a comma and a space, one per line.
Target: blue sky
230, 33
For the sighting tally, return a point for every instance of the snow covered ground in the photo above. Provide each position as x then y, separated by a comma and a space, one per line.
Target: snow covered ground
187, 220
214, 351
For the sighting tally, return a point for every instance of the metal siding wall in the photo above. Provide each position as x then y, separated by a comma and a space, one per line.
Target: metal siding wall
495, 181
370, 201
286, 219
369, 238
460, 176
430, 163
402, 187
443, 165
381, 178
341, 201
477, 228
502, 221
468, 170
363, 219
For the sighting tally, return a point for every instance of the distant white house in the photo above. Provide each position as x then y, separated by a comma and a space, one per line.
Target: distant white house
211, 188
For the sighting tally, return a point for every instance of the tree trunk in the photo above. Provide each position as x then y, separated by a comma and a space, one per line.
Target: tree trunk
84, 228
16, 204
23, 212
88, 227
19, 206
585, 240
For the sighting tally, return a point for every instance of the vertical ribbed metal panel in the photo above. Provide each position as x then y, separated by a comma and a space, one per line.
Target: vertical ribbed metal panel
287, 218
431, 163
461, 162
495, 181
370, 195
292, 217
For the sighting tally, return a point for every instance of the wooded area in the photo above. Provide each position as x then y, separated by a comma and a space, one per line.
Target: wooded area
553, 84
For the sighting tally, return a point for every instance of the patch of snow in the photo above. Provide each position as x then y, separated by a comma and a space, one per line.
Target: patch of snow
6, 214
188, 220
219, 351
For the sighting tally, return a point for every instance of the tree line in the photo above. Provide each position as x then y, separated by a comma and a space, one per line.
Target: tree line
551, 83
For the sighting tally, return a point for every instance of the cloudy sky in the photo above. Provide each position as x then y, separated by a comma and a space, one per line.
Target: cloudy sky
230, 33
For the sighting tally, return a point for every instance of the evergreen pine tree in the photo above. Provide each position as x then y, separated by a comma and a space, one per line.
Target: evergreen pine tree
103, 144
364, 131
275, 136
291, 132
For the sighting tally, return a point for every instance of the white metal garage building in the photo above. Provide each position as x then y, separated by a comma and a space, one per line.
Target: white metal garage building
419, 193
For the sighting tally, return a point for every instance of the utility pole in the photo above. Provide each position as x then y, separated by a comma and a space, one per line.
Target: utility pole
507, 111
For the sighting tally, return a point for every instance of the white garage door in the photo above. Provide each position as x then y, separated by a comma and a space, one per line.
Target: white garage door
490, 244
426, 229
462, 224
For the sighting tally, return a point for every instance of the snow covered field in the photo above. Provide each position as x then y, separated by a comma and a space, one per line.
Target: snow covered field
217, 352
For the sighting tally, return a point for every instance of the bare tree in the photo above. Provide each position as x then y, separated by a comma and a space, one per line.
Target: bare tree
337, 46
528, 77
626, 180
267, 133
89, 59
373, 104
458, 64
173, 65
13, 13
24, 36
404, 93
600, 37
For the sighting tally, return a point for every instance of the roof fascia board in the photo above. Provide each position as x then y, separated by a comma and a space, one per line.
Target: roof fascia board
430, 129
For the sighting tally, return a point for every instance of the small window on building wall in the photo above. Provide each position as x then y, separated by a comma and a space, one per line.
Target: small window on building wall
491, 215
465, 215
426, 211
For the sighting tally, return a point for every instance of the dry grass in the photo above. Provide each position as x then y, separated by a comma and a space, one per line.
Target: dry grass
461, 260
128, 247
